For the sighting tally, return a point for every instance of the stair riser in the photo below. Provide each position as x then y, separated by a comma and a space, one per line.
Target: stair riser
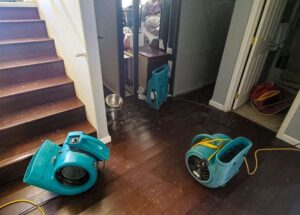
28, 50
18, 13
31, 73
13, 172
23, 30
30, 129
38, 97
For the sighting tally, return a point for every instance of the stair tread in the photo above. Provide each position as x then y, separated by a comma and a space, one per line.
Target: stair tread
28, 62
18, 10
17, 5
21, 20
38, 112
33, 86
24, 40
25, 149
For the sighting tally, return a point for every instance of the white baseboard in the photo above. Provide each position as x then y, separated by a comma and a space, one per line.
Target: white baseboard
217, 105
288, 139
106, 139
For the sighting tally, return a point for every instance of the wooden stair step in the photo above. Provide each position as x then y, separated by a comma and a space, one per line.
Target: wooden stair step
18, 29
22, 49
28, 62
21, 20
31, 70
15, 158
17, 41
28, 94
12, 90
19, 13
25, 149
38, 112
27, 123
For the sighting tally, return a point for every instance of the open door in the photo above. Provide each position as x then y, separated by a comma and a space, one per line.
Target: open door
261, 45
289, 130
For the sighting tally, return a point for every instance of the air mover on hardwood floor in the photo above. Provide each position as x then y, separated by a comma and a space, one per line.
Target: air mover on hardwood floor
70, 169
157, 88
214, 159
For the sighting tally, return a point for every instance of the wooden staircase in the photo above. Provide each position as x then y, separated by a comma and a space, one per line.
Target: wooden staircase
37, 99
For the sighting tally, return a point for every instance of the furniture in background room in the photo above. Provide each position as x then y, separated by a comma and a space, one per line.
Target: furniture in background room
149, 60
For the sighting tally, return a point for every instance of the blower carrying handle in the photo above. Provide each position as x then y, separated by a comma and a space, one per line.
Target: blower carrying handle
78, 141
215, 142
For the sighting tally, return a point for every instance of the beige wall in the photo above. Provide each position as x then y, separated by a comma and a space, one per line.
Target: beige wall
64, 19
108, 45
202, 34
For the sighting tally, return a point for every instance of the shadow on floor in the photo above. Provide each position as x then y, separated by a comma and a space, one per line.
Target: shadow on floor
202, 95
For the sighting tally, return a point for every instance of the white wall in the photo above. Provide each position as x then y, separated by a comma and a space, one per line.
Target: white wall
202, 34
93, 57
239, 22
72, 25
108, 45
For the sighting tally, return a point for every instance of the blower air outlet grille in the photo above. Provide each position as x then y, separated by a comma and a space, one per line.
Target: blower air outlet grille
199, 167
72, 176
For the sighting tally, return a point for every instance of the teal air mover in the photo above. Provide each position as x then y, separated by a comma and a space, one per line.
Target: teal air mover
67, 170
157, 88
214, 159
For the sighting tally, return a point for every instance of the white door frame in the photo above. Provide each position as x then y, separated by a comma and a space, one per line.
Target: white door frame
252, 24
281, 133
261, 47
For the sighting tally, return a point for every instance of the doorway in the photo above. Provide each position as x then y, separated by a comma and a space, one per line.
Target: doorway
150, 29
271, 58
135, 37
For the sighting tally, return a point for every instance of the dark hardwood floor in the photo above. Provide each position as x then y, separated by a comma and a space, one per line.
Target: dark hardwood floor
146, 173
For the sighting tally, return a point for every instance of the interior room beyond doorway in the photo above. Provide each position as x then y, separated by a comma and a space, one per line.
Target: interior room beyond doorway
281, 68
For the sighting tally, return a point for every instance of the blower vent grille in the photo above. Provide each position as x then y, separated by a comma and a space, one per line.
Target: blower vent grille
72, 176
199, 168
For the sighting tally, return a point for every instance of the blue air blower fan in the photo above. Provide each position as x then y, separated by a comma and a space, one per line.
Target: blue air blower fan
67, 170
157, 88
214, 159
